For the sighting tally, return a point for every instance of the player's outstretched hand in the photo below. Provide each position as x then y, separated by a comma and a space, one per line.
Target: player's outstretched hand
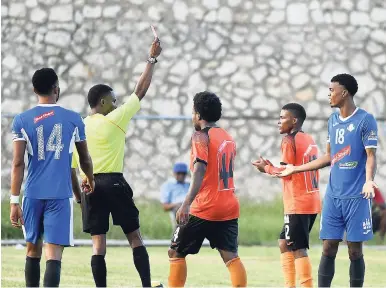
16, 216
155, 49
182, 215
289, 170
261, 163
368, 190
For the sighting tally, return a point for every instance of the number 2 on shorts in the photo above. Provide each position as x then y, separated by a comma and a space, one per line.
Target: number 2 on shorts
286, 228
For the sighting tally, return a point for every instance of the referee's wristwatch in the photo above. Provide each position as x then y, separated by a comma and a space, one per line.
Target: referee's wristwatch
152, 60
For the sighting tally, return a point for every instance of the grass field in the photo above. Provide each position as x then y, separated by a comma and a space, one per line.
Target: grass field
259, 223
204, 269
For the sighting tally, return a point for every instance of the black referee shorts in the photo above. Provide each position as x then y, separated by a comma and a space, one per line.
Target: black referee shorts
113, 195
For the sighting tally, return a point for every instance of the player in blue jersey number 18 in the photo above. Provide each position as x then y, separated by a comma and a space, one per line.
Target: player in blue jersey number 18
351, 153
48, 133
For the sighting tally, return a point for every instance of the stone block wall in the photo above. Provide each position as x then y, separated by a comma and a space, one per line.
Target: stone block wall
256, 55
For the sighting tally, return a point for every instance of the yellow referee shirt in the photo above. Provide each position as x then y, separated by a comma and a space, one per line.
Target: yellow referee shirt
105, 137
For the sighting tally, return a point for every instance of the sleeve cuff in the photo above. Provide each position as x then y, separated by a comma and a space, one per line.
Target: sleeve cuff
134, 99
19, 139
200, 160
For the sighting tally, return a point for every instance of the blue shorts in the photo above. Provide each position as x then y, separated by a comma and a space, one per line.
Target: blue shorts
49, 218
350, 215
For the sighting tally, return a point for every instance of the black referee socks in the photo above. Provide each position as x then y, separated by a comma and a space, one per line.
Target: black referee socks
326, 271
141, 262
52, 275
32, 272
99, 271
357, 272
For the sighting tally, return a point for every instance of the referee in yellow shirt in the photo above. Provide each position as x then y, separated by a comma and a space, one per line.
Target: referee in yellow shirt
105, 131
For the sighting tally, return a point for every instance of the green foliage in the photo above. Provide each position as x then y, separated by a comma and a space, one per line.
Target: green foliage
259, 223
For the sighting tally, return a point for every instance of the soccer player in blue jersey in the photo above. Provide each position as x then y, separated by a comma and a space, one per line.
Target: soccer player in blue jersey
49, 133
351, 153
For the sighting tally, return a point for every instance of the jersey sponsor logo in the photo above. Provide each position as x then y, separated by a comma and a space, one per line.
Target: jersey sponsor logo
372, 136
348, 165
351, 127
44, 116
341, 154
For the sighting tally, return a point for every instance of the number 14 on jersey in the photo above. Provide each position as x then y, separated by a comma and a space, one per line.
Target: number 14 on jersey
225, 157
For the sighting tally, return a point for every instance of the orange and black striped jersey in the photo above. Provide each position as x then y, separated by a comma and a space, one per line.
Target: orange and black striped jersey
300, 191
216, 200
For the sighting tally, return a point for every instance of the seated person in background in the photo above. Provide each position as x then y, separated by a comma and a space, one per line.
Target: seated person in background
173, 191
379, 214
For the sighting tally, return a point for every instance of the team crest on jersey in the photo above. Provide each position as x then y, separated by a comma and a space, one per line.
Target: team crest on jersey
372, 136
43, 116
367, 226
351, 127
341, 154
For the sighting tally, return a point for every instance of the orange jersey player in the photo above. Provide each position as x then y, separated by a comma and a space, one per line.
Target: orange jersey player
210, 209
300, 195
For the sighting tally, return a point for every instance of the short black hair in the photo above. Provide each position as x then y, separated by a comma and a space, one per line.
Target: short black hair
44, 81
208, 105
297, 110
348, 81
96, 93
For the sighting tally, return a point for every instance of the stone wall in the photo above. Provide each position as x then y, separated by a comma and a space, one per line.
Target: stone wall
257, 55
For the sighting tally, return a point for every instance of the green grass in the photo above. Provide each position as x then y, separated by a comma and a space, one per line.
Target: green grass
205, 269
259, 223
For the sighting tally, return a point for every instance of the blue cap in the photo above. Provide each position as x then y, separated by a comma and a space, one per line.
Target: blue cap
180, 168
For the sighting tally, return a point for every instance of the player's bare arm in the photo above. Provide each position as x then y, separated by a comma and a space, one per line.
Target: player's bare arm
316, 164
197, 178
145, 79
85, 163
17, 176
288, 157
75, 185
265, 166
371, 168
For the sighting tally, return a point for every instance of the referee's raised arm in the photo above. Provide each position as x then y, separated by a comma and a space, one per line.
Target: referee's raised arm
105, 129
145, 79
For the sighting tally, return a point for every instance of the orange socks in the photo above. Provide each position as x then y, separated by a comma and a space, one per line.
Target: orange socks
178, 272
288, 267
238, 273
304, 271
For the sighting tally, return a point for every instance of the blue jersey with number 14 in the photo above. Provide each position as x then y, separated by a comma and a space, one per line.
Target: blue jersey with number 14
348, 140
50, 132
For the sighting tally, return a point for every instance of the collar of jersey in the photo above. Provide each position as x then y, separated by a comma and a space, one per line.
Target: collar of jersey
348, 117
47, 105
